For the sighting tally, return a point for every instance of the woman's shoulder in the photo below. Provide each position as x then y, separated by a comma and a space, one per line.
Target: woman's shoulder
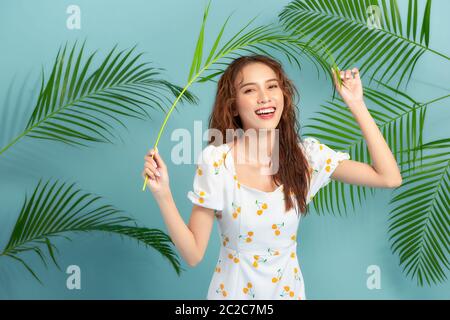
320, 154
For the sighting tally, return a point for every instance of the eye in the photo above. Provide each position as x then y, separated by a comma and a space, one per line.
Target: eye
273, 86
248, 90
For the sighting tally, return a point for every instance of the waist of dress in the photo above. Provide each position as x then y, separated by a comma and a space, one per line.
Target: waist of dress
269, 251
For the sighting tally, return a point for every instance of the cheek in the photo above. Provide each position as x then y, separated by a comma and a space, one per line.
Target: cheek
244, 100
280, 102
244, 103
279, 99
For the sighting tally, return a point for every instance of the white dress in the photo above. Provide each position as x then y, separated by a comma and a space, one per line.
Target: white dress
258, 253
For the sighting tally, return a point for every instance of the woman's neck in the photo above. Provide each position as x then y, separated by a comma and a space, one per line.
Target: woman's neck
256, 148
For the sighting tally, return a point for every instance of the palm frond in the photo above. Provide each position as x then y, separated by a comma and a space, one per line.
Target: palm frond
399, 117
420, 221
58, 209
348, 30
266, 39
256, 40
78, 104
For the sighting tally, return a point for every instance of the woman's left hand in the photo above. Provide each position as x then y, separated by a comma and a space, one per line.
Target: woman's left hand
351, 90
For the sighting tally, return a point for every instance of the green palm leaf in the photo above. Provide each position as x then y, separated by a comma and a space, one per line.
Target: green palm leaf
420, 222
399, 117
258, 40
77, 105
57, 210
343, 25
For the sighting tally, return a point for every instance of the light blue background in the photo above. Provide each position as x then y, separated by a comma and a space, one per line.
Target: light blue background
334, 252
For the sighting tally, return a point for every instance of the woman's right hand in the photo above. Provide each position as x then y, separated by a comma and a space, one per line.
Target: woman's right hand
158, 184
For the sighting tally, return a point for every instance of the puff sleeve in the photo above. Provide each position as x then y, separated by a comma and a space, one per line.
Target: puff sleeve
208, 186
323, 161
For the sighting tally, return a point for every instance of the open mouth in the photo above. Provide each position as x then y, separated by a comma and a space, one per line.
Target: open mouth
265, 113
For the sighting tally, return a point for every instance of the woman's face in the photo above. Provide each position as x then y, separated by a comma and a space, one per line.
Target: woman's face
258, 89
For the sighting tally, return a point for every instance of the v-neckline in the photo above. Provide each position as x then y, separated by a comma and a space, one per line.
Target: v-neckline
234, 172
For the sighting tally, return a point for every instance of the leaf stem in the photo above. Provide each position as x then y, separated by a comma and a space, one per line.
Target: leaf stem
437, 99
14, 141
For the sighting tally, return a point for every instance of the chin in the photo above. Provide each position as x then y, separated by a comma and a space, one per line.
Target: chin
272, 125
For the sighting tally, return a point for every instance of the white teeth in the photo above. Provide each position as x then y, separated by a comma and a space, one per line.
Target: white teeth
264, 111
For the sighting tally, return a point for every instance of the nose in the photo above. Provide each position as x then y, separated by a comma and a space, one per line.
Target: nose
262, 98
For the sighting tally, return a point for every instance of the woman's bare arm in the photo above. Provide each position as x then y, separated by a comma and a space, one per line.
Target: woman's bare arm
384, 171
190, 240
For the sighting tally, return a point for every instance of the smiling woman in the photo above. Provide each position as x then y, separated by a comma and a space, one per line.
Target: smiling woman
259, 214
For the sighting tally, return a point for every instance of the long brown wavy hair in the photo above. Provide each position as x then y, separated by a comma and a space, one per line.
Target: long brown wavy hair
293, 170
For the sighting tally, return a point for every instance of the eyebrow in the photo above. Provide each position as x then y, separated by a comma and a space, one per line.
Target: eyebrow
249, 83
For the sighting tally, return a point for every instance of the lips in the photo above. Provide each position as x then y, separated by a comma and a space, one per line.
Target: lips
272, 108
